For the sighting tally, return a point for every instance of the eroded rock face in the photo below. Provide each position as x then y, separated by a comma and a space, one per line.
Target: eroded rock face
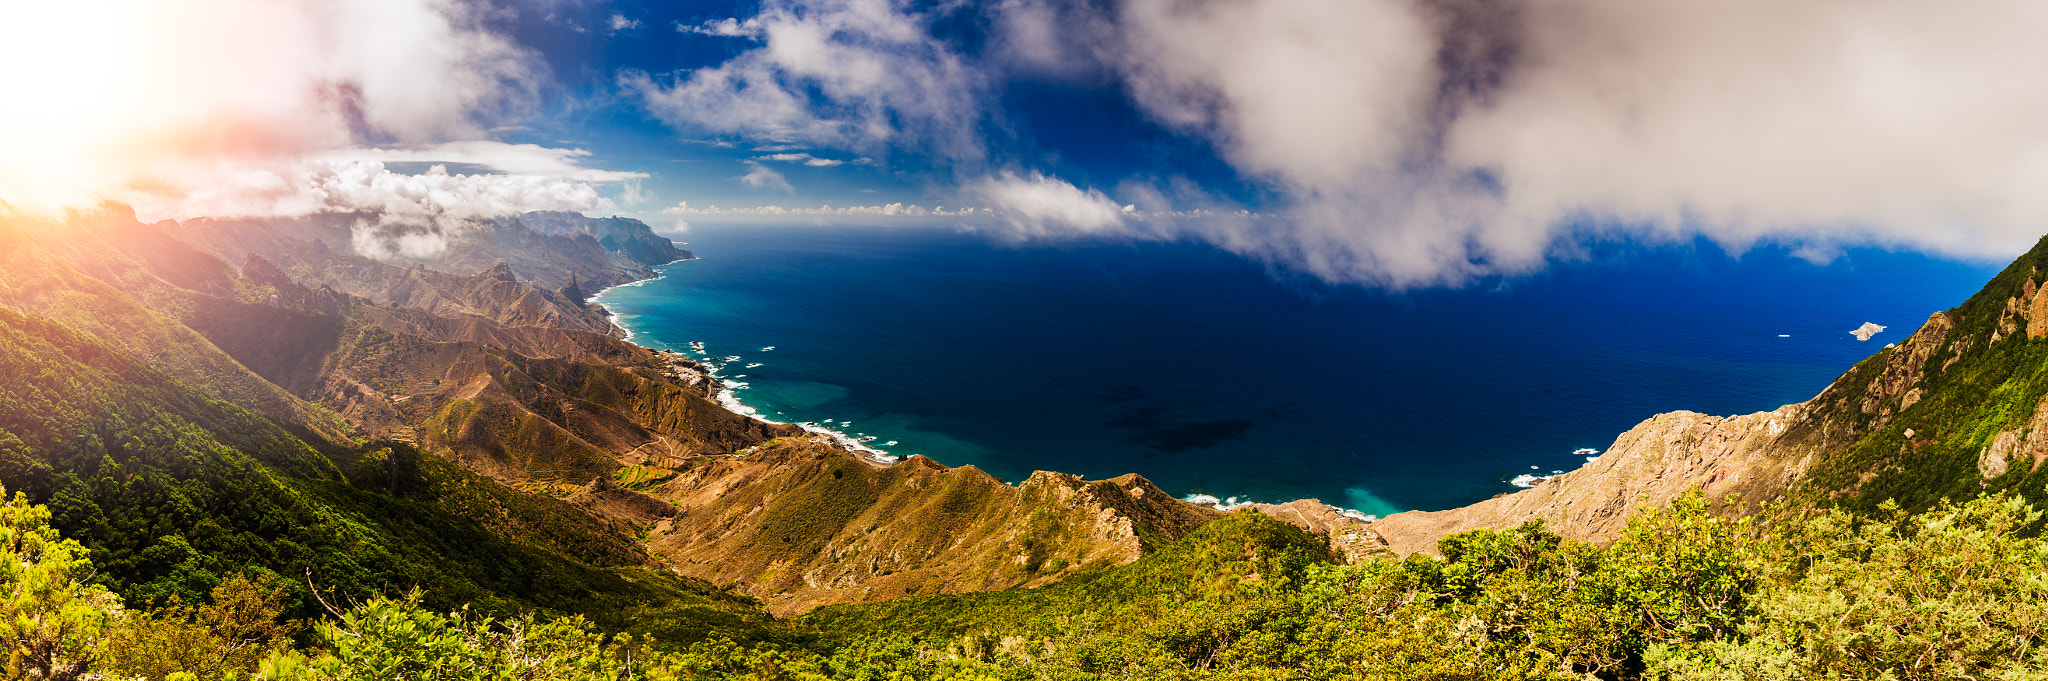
625, 508
1905, 369
2037, 309
2027, 444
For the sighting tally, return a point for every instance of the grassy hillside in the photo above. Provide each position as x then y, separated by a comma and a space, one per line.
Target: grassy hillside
36, 280
173, 491
1228, 560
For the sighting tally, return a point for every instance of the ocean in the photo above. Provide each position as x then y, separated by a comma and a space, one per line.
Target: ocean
1212, 375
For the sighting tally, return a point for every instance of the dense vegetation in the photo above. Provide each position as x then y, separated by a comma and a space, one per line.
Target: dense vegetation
1957, 592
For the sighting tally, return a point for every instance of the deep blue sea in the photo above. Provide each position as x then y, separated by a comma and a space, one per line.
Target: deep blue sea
1211, 374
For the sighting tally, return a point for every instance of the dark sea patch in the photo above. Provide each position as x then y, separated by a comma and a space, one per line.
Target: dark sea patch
1205, 372
1149, 426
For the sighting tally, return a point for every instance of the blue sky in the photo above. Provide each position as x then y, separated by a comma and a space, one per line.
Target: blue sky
1082, 128
1392, 143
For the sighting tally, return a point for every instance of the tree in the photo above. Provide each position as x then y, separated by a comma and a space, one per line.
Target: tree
214, 640
52, 622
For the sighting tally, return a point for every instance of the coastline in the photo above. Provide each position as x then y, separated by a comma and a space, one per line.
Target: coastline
725, 393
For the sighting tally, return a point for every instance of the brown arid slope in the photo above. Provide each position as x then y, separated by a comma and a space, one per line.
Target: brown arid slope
636, 439
801, 523
531, 403
1351, 539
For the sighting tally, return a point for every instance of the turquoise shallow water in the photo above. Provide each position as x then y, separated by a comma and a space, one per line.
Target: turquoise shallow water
1209, 374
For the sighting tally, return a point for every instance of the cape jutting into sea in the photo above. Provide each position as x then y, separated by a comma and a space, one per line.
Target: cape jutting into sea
1211, 374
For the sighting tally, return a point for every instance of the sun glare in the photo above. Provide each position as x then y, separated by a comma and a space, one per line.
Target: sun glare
63, 70
100, 96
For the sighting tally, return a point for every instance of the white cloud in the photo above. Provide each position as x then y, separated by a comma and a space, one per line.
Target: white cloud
1414, 142
1048, 36
415, 213
1896, 121
619, 22
1311, 93
855, 74
729, 28
803, 158
631, 193
1424, 143
361, 185
892, 210
762, 177
1038, 205
236, 89
516, 159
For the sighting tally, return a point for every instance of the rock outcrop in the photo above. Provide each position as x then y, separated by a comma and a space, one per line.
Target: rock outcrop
2026, 445
572, 292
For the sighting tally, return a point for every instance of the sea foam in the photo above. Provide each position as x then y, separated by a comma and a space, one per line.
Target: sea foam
1231, 503
857, 442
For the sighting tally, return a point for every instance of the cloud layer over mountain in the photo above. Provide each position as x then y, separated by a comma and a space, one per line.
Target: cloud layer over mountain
1424, 141
236, 107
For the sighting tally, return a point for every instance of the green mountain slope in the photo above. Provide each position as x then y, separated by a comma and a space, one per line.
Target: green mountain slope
1968, 386
1228, 560
173, 490
106, 298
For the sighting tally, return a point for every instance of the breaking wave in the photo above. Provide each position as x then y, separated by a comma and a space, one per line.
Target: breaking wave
1228, 504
